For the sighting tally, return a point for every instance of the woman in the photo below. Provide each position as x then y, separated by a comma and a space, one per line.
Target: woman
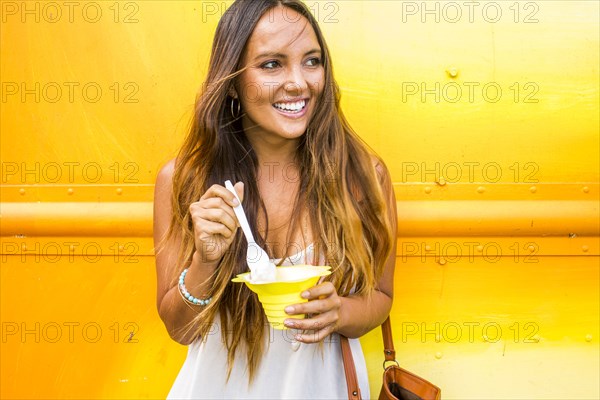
269, 119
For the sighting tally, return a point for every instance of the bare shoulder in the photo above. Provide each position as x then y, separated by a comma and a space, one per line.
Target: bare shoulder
163, 190
163, 187
165, 174
383, 174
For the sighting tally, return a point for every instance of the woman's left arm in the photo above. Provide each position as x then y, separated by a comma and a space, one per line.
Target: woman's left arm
355, 315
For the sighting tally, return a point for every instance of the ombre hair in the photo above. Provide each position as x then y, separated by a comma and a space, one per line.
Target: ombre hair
340, 182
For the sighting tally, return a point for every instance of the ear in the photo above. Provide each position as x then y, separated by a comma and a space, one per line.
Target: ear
232, 92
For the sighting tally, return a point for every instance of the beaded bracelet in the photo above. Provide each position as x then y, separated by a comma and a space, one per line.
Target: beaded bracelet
187, 296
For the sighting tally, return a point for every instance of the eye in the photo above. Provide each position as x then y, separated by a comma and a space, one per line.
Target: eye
313, 62
270, 64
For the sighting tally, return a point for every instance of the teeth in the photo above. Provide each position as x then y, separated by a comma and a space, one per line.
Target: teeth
294, 107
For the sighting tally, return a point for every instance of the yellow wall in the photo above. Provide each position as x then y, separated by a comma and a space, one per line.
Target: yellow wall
497, 283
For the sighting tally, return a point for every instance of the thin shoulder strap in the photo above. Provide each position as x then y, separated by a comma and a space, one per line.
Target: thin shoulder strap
349, 370
388, 341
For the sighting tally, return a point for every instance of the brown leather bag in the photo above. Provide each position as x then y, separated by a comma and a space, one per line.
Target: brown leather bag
398, 383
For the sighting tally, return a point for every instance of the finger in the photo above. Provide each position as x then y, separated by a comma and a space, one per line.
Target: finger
322, 297
217, 215
312, 307
222, 192
315, 336
213, 202
314, 323
324, 289
209, 228
217, 203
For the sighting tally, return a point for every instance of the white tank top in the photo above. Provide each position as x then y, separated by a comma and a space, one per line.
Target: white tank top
288, 369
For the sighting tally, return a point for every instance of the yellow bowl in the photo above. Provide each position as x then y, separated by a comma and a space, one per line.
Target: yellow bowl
290, 282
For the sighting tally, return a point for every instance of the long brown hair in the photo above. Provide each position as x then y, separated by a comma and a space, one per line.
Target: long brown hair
340, 186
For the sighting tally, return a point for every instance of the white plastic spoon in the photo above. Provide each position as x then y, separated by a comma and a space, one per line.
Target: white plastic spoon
261, 268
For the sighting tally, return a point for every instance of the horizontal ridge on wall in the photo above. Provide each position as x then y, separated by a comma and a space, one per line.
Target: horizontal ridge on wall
98, 219
415, 218
498, 218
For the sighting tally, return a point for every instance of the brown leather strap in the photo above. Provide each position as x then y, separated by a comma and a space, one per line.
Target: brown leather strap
388, 341
349, 370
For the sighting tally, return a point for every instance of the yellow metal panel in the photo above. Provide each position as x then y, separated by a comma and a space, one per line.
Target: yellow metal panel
88, 329
83, 329
485, 112
476, 326
147, 59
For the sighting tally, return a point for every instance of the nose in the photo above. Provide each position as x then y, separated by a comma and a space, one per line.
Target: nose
295, 81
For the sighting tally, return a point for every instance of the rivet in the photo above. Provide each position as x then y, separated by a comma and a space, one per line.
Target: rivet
119, 191
480, 189
485, 338
72, 248
121, 248
531, 248
453, 72
23, 247
442, 261
572, 235
427, 189
70, 191
586, 189
21, 191
439, 355
441, 181
585, 248
533, 189
427, 247
588, 337
480, 248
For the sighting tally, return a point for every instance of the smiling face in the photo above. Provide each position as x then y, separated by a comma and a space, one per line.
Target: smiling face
283, 78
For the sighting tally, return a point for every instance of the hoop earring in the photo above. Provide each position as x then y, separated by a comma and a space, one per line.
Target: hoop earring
239, 108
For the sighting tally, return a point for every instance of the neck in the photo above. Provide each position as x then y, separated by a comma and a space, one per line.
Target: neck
271, 151
277, 163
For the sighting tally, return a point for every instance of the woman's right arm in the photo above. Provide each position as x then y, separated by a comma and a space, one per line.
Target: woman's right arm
214, 227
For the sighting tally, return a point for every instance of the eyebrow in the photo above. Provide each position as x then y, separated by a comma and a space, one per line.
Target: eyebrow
281, 55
